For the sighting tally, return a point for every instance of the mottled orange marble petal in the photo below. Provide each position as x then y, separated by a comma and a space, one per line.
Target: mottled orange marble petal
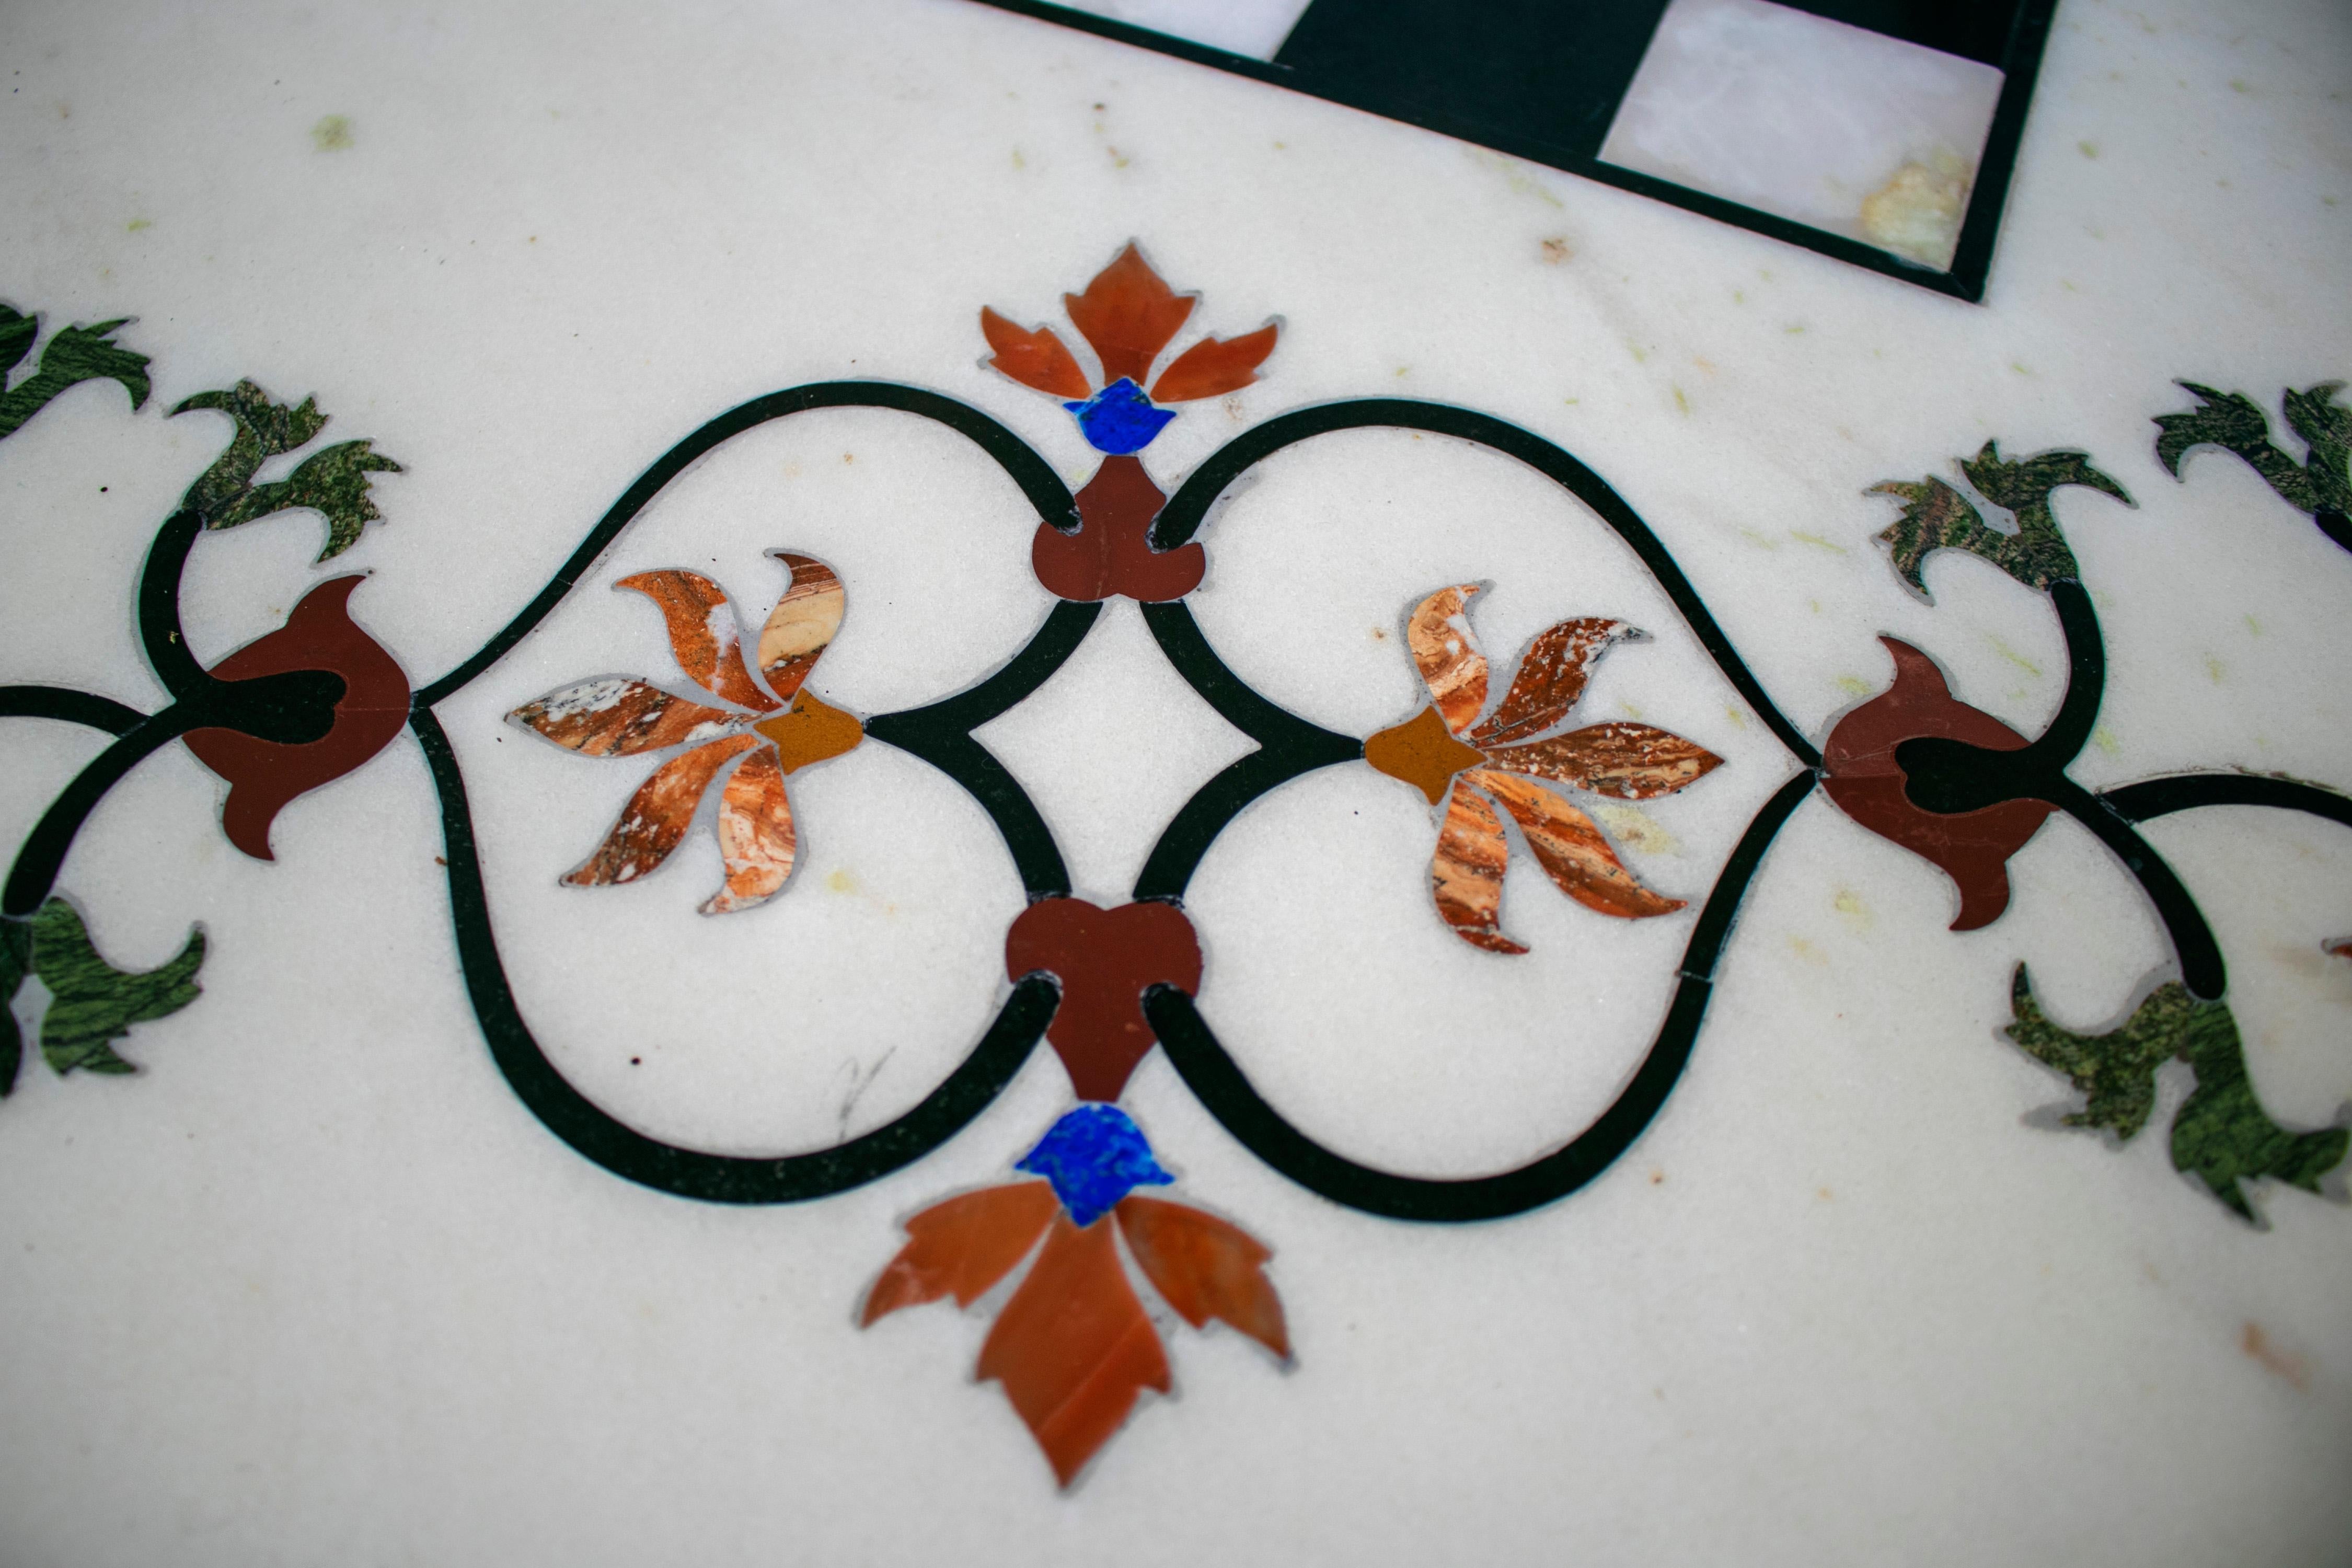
617, 717
755, 834
1074, 1347
1447, 655
1215, 367
703, 633
654, 821
1128, 314
1569, 847
1466, 872
1205, 1269
962, 1247
1035, 358
1631, 762
1552, 673
801, 624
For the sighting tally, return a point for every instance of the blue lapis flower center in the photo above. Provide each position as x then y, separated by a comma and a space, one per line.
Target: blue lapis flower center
1119, 419
1094, 1156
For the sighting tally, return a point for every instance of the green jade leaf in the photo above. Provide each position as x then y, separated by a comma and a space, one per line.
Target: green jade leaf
2236, 423
331, 481
75, 355
91, 1003
2222, 1133
16, 963
1937, 517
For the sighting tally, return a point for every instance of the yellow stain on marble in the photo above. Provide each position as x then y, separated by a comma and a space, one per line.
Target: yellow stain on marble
1857, 914
1636, 829
331, 134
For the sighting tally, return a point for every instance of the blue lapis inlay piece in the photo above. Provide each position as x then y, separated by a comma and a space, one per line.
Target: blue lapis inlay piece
1094, 1156
1119, 418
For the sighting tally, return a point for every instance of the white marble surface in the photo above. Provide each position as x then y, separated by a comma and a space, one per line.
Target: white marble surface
315, 1288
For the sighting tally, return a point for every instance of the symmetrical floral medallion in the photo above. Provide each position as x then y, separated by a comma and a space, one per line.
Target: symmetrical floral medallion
1079, 1237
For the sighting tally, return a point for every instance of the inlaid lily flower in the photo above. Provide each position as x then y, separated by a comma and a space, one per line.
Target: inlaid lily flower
1472, 765
747, 724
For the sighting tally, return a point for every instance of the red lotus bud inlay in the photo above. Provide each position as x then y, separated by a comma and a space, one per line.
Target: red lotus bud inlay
1972, 847
263, 775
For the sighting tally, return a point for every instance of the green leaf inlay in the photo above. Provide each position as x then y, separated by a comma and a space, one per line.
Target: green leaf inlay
1937, 517
331, 481
2222, 1133
2236, 423
91, 1003
75, 355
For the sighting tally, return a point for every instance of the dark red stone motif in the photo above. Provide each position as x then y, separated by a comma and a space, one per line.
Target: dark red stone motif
263, 775
1111, 554
1972, 847
1105, 960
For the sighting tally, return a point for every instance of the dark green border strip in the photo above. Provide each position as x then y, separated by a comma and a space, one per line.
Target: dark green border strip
71, 707
1226, 1092
686, 1173
2185, 791
941, 735
1972, 257
1287, 747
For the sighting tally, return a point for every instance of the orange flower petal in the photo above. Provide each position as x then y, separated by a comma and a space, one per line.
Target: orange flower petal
962, 1247
1551, 677
1631, 762
1205, 1269
617, 717
654, 821
755, 834
1447, 655
703, 633
1128, 314
1073, 1347
1033, 358
1215, 367
1569, 847
1466, 873
802, 625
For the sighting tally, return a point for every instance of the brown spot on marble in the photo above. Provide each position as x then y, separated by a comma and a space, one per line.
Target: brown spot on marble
2257, 1343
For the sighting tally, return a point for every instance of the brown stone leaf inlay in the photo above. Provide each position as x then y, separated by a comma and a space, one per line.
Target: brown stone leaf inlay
703, 634
654, 821
755, 834
1447, 655
1074, 1347
961, 1247
1205, 1269
1129, 313
1568, 845
1466, 875
1035, 356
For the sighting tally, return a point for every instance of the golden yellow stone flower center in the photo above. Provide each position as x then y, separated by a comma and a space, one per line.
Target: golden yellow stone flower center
810, 731
1422, 753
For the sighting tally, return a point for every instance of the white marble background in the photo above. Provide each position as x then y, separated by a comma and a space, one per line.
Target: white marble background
315, 1288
